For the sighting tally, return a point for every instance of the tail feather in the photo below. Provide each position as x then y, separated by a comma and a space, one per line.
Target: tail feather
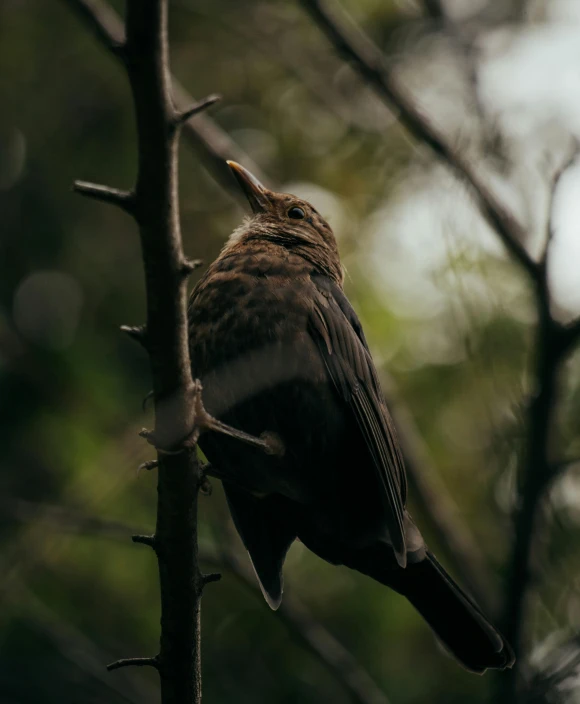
455, 618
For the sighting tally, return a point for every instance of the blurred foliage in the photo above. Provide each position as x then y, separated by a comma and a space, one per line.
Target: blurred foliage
446, 313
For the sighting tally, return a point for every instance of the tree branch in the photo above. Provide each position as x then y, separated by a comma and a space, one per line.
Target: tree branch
213, 145
368, 61
154, 204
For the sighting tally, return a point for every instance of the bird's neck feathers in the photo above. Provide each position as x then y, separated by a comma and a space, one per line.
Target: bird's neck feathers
249, 238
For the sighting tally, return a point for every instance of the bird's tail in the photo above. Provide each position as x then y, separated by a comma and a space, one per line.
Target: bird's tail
454, 617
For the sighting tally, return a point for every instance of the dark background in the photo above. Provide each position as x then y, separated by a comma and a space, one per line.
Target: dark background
447, 314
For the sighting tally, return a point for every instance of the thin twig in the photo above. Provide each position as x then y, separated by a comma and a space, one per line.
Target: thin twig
365, 57
133, 662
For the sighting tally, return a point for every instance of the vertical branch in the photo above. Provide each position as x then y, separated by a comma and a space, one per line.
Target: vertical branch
157, 213
154, 204
537, 469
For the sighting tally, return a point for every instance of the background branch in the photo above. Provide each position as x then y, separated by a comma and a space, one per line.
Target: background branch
553, 341
358, 50
213, 145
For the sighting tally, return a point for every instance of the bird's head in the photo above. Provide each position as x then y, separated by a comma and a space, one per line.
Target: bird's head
287, 221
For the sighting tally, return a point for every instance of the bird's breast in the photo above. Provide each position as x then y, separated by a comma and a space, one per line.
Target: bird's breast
248, 327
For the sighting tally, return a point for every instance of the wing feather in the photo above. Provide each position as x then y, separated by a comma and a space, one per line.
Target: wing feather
337, 332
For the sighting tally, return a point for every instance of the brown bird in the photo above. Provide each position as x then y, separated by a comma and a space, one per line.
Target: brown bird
279, 348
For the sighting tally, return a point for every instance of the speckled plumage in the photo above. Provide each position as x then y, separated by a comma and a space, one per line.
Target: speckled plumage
279, 349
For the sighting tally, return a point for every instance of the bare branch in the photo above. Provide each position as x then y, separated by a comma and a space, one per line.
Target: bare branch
103, 22
368, 61
134, 662
105, 194
212, 143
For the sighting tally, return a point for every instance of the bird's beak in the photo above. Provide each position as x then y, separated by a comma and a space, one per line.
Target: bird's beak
255, 192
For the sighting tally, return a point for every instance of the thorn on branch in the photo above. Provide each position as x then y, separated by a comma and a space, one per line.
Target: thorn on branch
211, 577
122, 199
148, 540
136, 332
190, 265
150, 464
201, 105
134, 662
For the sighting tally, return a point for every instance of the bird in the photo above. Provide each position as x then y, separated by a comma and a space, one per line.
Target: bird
280, 350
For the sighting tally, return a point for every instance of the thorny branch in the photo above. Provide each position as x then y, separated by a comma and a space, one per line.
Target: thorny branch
553, 339
154, 205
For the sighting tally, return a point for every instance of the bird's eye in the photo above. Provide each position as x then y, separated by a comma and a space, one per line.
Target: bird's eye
296, 213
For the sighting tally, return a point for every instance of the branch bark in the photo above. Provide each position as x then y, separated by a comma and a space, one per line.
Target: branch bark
154, 204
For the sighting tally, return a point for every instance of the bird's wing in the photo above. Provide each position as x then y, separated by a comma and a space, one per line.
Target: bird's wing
337, 332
